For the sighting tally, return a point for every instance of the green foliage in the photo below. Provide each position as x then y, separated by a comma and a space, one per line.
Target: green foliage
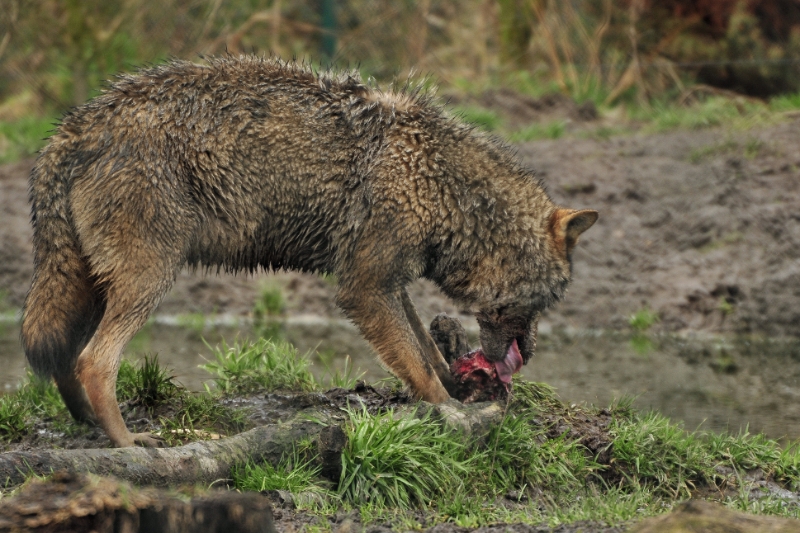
346, 378
270, 303
36, 398
197, 411
23, 137
658, 454
265, 364
522, 455
785, 102
13, 417
643, 319
399, 461
395, 462
149, 385
552, 130
485, 119
747, 452
609, 505
268, 307
294, 474
191, 415
714, 111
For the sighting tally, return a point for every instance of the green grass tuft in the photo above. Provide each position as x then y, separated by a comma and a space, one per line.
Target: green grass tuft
150, 384
552, 130
13, 418
345, 378
483, 118
656, 453
36, 398
23, 137
643, 319
265, 364
270, 303
400, 461
266, 312
294, 474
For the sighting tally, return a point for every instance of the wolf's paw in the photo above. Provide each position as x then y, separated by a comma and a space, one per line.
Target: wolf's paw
148, 440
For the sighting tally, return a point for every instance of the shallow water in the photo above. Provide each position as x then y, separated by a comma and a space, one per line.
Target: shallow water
713, 384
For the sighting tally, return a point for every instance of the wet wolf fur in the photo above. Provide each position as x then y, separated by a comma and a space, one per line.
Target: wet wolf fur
249, 163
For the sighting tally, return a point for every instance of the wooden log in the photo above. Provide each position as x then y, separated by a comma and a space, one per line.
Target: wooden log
698, 516
197, 462
78, 502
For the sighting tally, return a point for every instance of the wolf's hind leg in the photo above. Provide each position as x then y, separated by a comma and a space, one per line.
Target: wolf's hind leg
75, 398
132, 294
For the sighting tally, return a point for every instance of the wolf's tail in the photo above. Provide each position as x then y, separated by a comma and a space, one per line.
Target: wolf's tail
64, 305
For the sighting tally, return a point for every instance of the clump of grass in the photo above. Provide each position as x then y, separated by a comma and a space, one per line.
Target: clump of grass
785, 102
709, 112
641, 321
656, 453
395, 462
266, 311
483, 118
23, 137
552, 130
270, 303
13, 417
294, 473
149, 385
36, 398
521, 454
196, 414
265, 364
400, 461
191, 415
345, 378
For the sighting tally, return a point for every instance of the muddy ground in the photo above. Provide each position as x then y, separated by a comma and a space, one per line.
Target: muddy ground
590, 427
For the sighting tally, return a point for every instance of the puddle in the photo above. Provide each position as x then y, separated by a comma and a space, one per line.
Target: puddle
731, 384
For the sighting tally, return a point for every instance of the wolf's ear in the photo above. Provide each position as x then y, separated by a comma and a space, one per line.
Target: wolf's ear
566, 225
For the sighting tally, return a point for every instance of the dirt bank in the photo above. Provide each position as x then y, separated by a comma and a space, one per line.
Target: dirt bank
701, 226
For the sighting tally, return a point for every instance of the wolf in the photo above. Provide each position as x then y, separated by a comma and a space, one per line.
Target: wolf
246, 163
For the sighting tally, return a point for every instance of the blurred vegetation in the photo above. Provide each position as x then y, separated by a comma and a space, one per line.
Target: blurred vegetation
55, 54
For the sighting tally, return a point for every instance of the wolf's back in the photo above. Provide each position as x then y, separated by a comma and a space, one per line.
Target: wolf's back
63, 305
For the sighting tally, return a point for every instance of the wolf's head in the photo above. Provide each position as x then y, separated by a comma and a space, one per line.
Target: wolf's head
501, 247
536, 277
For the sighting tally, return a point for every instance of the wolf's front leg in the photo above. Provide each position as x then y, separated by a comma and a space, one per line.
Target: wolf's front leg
383, 321
429, 348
